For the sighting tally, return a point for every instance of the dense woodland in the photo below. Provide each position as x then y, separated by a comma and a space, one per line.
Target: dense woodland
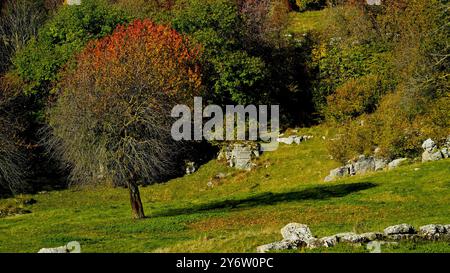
86, 91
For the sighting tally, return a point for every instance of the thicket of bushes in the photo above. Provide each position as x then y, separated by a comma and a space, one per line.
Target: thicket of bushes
384, 76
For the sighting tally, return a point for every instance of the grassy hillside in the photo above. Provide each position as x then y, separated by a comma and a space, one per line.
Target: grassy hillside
241, 211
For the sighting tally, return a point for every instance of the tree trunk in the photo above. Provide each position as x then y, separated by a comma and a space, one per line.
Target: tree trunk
135, 199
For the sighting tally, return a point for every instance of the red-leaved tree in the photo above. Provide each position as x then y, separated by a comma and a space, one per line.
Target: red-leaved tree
111, 120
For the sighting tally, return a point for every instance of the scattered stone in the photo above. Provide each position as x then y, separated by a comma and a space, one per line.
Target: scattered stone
380, 164
299, 235
71, 247
329, 241
364, 165
431, 156
282, 245
371, 236
61, 249
399, 229
429, 145
240, 155
350, 237
433, 153
432, 231
397, 163
293, 139
297, 232
337, 173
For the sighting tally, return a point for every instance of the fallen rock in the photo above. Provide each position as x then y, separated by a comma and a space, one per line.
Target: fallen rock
432, 156
282, 245
329, 241
371, 236
297, 232
431, 151
71, 247
429, 145
399, 229
338, 172
397, 163
432, 231
350, 237
61, 249
364, 165
380, 164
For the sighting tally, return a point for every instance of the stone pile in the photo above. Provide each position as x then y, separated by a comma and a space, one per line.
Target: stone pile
297, 235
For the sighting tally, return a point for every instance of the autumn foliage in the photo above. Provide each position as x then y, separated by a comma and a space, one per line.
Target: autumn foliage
112, 117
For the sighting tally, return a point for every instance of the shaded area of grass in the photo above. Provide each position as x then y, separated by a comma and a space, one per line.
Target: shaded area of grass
269, 198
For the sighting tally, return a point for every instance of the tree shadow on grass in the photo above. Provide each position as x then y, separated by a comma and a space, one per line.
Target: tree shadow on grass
269, 198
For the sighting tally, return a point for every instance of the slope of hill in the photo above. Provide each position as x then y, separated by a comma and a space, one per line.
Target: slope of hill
241, 211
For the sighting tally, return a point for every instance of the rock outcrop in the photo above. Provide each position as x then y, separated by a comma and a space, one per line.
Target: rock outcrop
433, 153
240, 155
362, 165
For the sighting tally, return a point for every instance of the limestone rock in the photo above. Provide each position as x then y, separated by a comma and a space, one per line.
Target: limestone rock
329, 241
338, 172
364, 165
434, 155
297, 232
380, 164
429, 145
282, 245
350, 237
71, 247
432, 231
397, 162
399, 229
371, 236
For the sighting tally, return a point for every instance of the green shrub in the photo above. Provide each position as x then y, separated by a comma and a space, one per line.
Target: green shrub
65, 34
381, 70
230, 71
